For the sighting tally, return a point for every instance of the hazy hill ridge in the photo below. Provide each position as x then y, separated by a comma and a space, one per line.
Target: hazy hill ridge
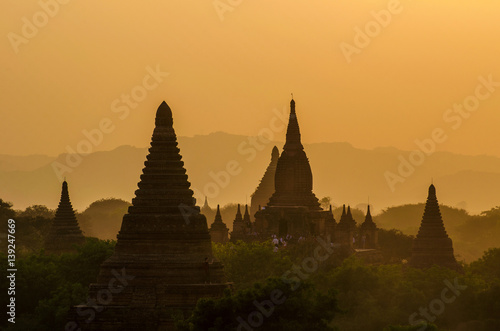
228, 168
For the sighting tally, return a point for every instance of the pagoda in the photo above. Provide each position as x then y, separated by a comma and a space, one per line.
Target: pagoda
293, 209
241, 226
247, 220
368, 232
207, 210
346, 229
218, 230
432, 244
163, 257
266, 186
64, 233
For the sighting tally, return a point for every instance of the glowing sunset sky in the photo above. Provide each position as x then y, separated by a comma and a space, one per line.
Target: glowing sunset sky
228, 75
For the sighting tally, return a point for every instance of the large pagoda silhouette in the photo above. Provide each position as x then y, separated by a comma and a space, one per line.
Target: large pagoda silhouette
163, 261
293, 208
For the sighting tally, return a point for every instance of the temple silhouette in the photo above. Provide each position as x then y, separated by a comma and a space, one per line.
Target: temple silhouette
266, 186
218, 230
432, 244
293, 209
242, 226
64, 232
163, 260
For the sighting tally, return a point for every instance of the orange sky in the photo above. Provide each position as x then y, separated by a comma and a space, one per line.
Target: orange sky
228, 75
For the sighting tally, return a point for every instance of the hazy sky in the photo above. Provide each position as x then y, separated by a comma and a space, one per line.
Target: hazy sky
228, 70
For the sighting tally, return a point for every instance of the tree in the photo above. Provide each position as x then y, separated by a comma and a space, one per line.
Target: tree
6, 211
395, 245
103, 218
37, 211
270, 305
238, 257
48, 285
325, 203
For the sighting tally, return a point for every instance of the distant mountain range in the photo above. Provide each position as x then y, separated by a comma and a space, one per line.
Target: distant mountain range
229, 167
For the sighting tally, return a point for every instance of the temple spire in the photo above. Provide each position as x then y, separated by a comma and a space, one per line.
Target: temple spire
164, 116
218, 216
238, 214
368, 214
432, 244
164, 183
275, 154
368, 232
64, 231
246, 216
218, 230
265, 189
293, 132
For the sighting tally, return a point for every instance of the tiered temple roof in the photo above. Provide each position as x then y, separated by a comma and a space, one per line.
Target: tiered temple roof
368, 223
64, 232
346, 220
293, 181
293, 209
218, 229
241, 225
432, 244
160, 264
368, 232
246, 218
266, 186
207, 210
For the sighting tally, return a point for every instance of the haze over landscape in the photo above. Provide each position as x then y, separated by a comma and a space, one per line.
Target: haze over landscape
340, 171
229, 165
222, 75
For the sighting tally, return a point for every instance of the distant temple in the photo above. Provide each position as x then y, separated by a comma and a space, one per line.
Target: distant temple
218, 229
64, 233
163, 260
242, 226
266, 186
432, 244
247, 222
368, 233
346, 229
293, 209
207, 210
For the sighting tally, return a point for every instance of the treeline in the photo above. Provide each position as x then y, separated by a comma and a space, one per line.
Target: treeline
293, 290
323, 292
472, 235
303, 286
48, 285
101, 219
